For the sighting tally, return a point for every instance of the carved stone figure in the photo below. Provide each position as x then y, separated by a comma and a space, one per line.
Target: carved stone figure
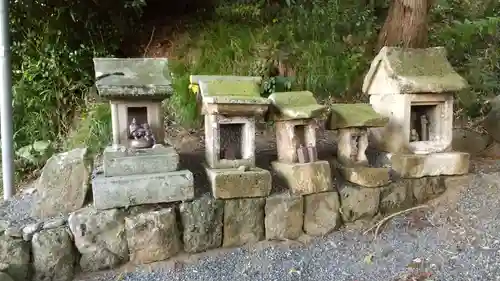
141, 135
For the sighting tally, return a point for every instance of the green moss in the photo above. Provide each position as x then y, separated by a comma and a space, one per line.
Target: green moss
217, 88
431, 64
354, 115
296, 105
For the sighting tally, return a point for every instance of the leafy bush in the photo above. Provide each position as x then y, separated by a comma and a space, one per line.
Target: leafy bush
53, 43
470, 32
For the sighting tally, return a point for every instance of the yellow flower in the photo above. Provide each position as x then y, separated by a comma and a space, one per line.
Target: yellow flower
275, 20
194, 88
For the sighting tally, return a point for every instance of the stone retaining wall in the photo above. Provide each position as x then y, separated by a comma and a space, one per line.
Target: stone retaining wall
92, 240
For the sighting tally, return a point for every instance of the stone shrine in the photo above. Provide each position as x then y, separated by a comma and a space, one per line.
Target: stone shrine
294, 114
353, 122
138, 168
231, 105
414, 88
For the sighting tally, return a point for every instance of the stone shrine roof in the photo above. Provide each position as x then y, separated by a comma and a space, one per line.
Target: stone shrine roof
415, 70
133, 78
295, 105
343, 115
231, 92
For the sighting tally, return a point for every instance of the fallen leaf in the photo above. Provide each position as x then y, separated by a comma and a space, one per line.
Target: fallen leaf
368, 259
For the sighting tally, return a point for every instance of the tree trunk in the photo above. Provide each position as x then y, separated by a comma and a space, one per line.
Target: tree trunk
406, 24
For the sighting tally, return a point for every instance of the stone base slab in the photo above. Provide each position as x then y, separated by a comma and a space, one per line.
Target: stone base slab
366, 176
124, 162
125, 191
236, 183
305, 178
435, 164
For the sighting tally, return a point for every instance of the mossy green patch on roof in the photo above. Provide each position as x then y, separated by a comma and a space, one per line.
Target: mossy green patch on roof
416, 70
196, 79
228, 91
344, 115
295, 105
132, 77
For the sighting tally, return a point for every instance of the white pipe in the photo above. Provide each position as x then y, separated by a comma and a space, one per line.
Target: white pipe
6, 103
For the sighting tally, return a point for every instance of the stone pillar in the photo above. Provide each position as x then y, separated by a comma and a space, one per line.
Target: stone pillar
115, 123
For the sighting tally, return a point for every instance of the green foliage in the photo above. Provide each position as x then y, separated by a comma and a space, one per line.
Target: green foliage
470, 31
53, 43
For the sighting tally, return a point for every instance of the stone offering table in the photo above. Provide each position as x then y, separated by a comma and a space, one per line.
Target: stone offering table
414, 88
353, 122
294, 114
138, 167
230, 106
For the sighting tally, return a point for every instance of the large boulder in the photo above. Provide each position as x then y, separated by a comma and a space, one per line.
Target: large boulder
15, 254
99, 237
63, 184
54, 255
202, 222
152, 236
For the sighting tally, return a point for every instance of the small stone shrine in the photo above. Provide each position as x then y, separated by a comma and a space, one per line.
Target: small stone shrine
138, 168
353, 122
415, 88
294, 114
231, 105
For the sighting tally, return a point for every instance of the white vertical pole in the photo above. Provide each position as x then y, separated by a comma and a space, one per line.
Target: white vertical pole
6, 103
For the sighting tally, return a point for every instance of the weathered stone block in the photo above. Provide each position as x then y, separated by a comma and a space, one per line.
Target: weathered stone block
243, 221
99, 237
63, 184
305, 178
124, 191
202, 221
15, 253
238, 183
397, 196
152, 236
427, 188
54, 255
366, 176
124, 162
321, 213
284, 216
358, 202
5, 277
435, 164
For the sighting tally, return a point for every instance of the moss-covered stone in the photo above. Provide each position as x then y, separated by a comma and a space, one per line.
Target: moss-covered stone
133, 78
295, 105
416, 70
344, 115
231, 92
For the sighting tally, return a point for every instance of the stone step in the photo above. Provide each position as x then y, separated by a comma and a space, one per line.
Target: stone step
131, 190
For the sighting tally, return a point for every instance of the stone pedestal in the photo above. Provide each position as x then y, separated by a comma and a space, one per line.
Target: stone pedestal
435, 164
124, 162
305, 178
366, 176
141, 176
239, 183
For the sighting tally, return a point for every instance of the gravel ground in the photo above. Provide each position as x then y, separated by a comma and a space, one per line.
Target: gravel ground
457, 240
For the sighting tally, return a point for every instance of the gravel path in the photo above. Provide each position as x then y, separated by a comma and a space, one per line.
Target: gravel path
458, 240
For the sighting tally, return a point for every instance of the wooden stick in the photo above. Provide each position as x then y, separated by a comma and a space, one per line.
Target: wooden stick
384, 220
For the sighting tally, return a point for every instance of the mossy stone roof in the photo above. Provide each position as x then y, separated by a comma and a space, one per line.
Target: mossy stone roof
133, 78
295, 105
416, 70
343, 115
231, 91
